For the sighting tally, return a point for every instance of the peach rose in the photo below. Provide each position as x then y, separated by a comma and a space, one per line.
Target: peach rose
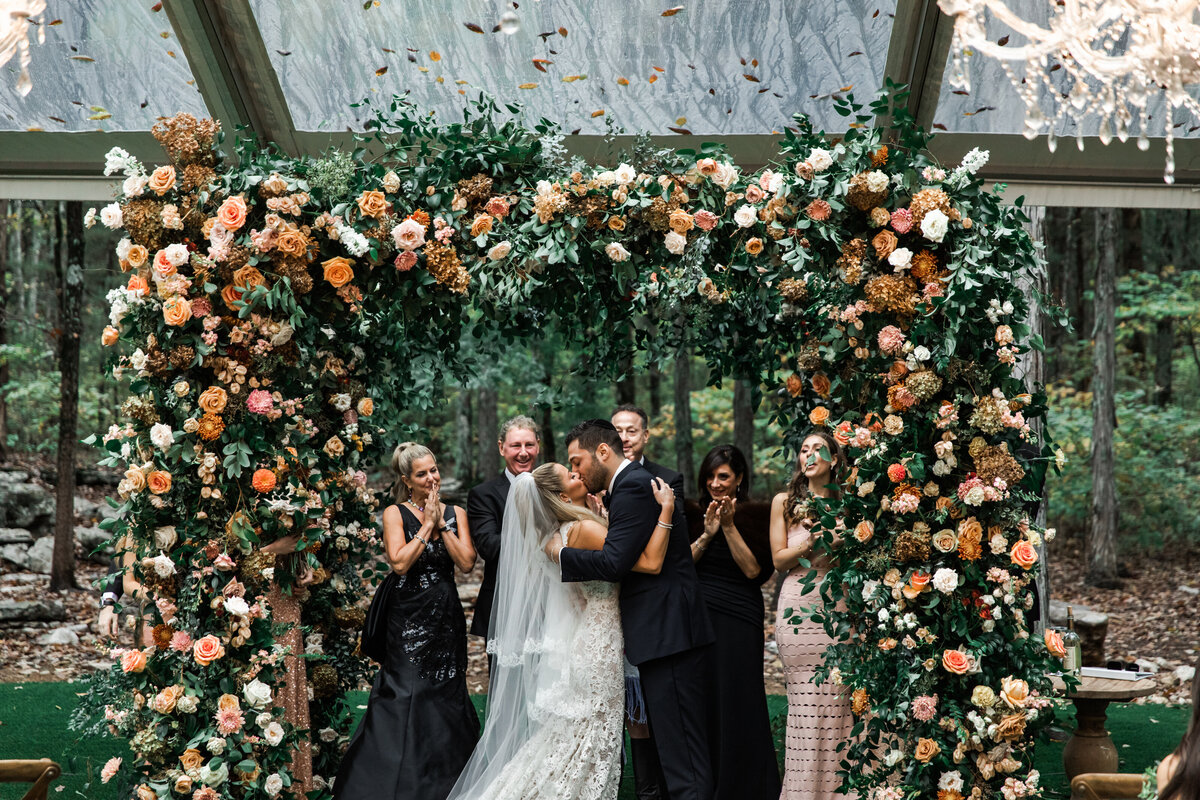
163, 265
110, 336
137, 256
292, 242
482, 224
135, 479
616, 224
159, 482
144, 792
1054, 643
338, 271
176, 311
162, 180
183, 785
373, 204
1024, 554
956, 661
819, 415
230, 294
681, 221
191, 759
133, 661
754, 245
207, 649
232, 213
263, 480
137, 284
164, 702
926, 750
884, 243
794, 385
248, 277
917, 583
229, 702
864, 531
1014, 692
366, 407
213, 399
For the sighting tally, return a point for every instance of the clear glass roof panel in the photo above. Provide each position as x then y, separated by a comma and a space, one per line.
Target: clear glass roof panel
112, 65
992, 105
717, 67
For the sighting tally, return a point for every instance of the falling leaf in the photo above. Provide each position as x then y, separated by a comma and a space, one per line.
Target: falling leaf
939, 126
156, 7
284, 52
684, 131
653, 78
576, 131
855, 53
876, 14
171, 53
387, 50
846, 88
165, 34
423, 69
979, 110
743, 61
412, 58
959, 91
56, 119
461, 82
599, 113
1003, 40
54, 22
658, 69
622, 81
434, 55
749, 77
471, 26
681, 121
562, 31
573, 78
381, 72
546, 35
713, 92
754, 63
670, 12
88, 59
34, 130
527, 86
764, 89
100, 115
540, 64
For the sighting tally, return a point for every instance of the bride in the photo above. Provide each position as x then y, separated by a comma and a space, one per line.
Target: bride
557, 698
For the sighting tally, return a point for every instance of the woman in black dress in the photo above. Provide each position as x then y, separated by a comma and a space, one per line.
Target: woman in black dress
732, 572
420, 726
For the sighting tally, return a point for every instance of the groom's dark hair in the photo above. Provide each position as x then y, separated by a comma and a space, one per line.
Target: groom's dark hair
592, 433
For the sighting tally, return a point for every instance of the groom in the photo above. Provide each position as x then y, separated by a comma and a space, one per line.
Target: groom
663, 616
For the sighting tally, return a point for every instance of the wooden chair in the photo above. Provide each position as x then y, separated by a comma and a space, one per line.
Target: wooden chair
1106, 786
39, 772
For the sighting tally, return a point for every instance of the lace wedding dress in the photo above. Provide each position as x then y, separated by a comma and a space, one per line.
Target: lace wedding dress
555, 712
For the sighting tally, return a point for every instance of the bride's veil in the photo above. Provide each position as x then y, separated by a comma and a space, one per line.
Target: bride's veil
534, 619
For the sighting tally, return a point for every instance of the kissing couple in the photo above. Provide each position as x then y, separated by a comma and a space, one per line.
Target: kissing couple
574, 591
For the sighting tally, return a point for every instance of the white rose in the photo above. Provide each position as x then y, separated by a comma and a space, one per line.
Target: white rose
866, 489
975, 496
616, 252
257, 693
214, 777
89, 219
111, 216
176, 254
123, 247
934, 225
745, 216
328, 735
820, 159
951, 782
893, 757
900, 258
868, 590
341, 401
606, 177
273, 785
236, 606
134, 186
187, 704
921, 353
138, 359
877, 181
499, 250
725, 175
165, 537
999, 544
273, 733
771, 181
625, 174
391, 182
675, 242
544, 187
161, 436
941, 468
945, 580
164, 567
269, 574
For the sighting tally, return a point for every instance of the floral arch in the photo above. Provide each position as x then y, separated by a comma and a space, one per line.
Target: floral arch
273, 304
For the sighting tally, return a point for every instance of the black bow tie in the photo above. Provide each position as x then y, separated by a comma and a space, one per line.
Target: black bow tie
607, 499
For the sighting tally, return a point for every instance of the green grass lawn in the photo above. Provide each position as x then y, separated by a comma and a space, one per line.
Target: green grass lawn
33, 724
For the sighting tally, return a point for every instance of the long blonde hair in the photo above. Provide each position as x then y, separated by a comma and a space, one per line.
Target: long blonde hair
550, 487
402, 460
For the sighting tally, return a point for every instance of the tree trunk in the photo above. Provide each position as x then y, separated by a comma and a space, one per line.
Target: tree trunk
1087, 233
1172, 236
655, 386
549, 449
488, 425
464, 461
5, 223
683, 418
19, 256
1102, 537
743, 422
70, 314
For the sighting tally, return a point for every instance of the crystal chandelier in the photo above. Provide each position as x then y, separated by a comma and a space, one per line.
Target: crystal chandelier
15, 16
1107, 59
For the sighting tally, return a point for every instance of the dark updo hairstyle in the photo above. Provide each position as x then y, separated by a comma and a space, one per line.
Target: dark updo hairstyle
719, 456
797, 488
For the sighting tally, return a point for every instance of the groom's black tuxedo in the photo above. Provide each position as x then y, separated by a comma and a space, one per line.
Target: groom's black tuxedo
485, 515
666, 627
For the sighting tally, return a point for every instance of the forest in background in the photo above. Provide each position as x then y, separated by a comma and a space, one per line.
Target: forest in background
1142, 258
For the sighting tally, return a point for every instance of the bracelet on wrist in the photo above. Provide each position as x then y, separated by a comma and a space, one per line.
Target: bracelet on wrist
667, 525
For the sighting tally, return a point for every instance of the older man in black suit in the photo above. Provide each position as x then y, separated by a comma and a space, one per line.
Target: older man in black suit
519, 443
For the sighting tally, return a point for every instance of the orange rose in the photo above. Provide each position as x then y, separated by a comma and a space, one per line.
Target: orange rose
864, 531
159, 482
482, 225
133, 661
292, 242
884, 243
110, 336
1024, 554
754, 246
137, 284
1014, 692
707, 166
616, 224
338, 271
956, 661
373, 204
926, 750
229, 702
819, 415
207, 650
860, 701
1054, 643
191, 759
232, 213
231, 294
144, 792
366, 407
917, 583
263, 480
681, 221
162, 180
137, 256
821, 384
248, 277
213, 400
794, 385
163, 265
176, 311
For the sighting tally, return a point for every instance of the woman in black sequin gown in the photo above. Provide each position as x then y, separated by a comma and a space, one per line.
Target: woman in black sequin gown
420, 726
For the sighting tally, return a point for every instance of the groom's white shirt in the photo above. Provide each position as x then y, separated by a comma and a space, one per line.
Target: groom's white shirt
624, 463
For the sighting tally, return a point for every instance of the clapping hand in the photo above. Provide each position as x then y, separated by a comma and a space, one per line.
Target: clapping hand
663, 493
712, 518
728, 506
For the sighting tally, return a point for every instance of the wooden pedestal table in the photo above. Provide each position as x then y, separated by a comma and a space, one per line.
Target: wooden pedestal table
1091, 748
